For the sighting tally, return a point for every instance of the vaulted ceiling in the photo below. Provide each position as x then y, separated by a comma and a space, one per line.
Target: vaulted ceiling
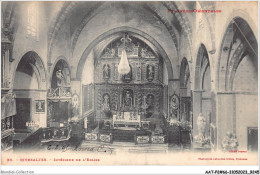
78, 14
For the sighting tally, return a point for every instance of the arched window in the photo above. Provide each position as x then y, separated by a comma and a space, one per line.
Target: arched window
32, 20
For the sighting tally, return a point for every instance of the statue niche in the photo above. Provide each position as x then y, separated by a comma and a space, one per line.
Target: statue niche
106, 103
106, 72
150, 72
128, 99
105, 106
174, 106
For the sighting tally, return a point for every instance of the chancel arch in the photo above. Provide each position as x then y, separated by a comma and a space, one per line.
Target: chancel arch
139, 34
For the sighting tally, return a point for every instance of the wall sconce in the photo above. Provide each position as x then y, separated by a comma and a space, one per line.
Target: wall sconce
11, 59
225, 48
212, 51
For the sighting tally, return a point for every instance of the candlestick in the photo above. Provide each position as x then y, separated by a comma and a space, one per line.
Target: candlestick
120, 100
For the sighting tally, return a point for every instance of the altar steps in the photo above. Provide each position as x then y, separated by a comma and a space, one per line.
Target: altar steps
129, 147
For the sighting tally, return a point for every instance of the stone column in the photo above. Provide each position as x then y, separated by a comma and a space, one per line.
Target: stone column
197, 108
226, 115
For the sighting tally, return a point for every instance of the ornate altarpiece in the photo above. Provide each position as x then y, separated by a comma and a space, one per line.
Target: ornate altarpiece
141, 90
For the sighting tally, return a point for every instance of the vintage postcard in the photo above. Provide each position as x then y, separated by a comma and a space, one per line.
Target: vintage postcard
129, 83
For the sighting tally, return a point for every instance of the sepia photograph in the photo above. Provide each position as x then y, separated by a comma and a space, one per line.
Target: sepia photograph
129, 83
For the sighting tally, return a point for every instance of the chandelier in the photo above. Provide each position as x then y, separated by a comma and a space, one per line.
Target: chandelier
123, 67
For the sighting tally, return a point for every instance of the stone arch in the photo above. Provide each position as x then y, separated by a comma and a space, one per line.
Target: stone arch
202, 62
129, 30
238, 41
237, 65
36, 63
203, 98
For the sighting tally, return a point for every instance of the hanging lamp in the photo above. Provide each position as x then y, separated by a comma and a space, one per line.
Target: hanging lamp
123, 67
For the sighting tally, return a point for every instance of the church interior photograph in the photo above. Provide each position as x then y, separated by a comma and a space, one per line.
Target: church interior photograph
136, 76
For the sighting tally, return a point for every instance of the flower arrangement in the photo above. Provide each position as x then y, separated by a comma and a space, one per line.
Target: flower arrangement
229, 143
183, 124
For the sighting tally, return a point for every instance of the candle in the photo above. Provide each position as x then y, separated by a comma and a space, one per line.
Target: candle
120, 100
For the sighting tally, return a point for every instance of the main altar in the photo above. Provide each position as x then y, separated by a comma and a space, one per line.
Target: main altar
127, 106
126, 121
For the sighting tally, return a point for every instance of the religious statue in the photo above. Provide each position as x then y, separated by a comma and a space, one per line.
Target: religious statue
143, 51
150, 100
106, 71
40, 105
75, 105
201, 137
60, 78
106, 103
150, 72
110, 52
128, 99
144, 104
201, 122
113, 52
174, 102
